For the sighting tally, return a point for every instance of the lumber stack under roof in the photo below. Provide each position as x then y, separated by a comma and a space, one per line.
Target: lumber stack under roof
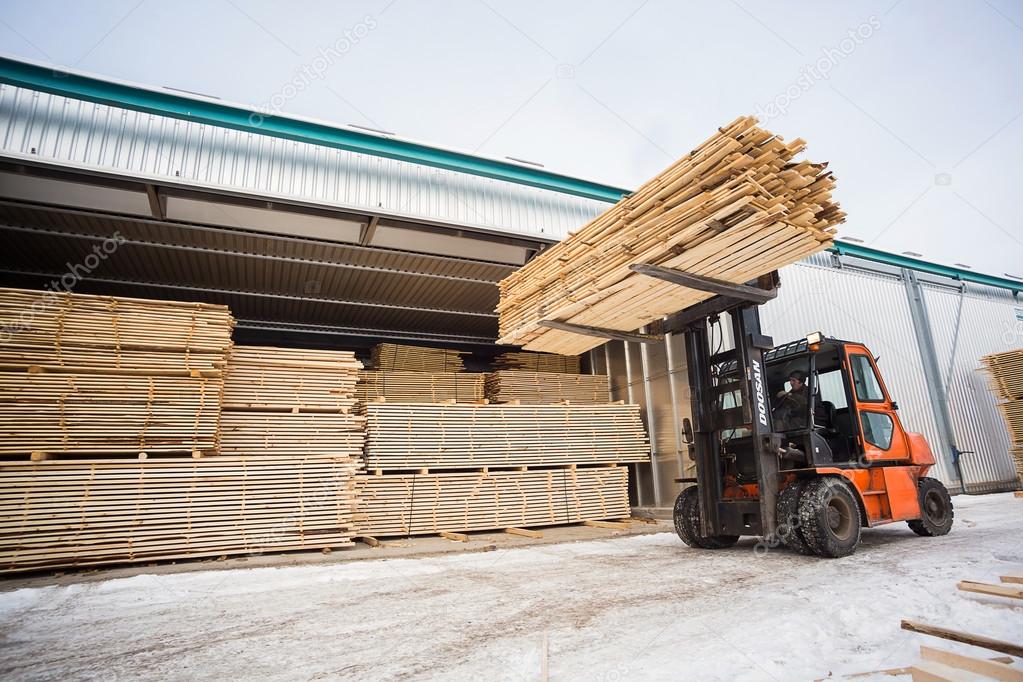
737, 207
286, 401
395, 356
410, 504
1006, 374
413, 436
93, 512
542, 388
537, 362
88, 375
420, 387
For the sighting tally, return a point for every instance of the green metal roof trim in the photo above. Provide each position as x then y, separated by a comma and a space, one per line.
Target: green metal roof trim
79, 86
878, 256
88, 88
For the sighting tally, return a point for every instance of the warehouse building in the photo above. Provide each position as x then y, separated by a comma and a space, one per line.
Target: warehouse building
318, 235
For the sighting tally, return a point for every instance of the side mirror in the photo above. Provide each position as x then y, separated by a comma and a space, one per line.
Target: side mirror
687, 431
895, 405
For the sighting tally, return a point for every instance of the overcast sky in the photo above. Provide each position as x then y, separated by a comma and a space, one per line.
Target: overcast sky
917, 104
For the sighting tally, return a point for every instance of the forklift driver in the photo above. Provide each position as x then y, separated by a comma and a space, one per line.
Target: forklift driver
791, 406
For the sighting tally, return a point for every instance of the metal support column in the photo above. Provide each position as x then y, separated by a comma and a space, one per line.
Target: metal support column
651, 418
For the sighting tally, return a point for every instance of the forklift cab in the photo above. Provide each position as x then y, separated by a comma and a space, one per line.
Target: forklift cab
845, 416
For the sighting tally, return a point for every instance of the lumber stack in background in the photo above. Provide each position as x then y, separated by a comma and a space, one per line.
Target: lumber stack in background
537, 362
460, 467
84, 375
399, 357
291, 401
420, 387
540, 388
737, 207
1005, 371
93, 512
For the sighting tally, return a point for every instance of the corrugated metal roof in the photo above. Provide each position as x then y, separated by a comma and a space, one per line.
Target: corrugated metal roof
68, 132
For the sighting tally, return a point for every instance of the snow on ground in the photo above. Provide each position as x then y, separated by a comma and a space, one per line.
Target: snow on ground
643, 607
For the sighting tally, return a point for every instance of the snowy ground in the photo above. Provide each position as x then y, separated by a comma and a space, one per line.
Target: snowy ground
643, 607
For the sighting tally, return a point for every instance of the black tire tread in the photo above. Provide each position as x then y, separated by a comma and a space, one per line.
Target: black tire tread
686, 515
813, 505
789, 527
923, 526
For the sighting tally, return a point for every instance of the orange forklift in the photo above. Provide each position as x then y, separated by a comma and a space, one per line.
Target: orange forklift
800, 444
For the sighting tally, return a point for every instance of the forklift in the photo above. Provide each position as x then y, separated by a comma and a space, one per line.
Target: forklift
800, 444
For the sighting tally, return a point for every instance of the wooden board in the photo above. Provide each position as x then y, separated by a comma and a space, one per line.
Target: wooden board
737, 207
537, 362
457, 501
86, 513
1006, 373
404, 436
396, 356
285, 433
420, 387
1010, 648
544, 388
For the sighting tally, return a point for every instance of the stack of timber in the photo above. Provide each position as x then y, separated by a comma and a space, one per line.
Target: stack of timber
86, 376
420, 387
459, 467
541, 388
538, 362
77, 513
1006, 374
737, 207
395, 356
286, 401
457, 436
410, 504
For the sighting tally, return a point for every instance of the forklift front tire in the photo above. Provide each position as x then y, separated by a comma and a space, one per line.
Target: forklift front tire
936, 512
789, 531
829, 517
687, 523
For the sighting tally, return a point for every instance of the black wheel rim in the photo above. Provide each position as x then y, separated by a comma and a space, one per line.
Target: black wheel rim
840, 518
935, 509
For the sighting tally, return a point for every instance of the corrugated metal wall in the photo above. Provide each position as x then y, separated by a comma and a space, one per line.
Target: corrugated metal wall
70, 132
853, 301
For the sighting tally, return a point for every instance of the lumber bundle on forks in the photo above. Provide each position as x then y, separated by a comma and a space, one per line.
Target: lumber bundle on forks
85, 375
414, 436
544, 388
1005, 371
420, 387
538, 362
737, 207
92, 512
395, 356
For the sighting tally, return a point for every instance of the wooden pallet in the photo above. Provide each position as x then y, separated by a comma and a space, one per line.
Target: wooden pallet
90, 513
413, 504
737, 207
399, 357
404, 436
545, 388
537, 362
415, 387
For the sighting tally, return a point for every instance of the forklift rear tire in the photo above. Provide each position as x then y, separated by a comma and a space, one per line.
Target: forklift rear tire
936, 512
789, 526
687, 523
829, 517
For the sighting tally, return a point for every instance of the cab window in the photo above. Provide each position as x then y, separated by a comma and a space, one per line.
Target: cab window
868, 388
877, 428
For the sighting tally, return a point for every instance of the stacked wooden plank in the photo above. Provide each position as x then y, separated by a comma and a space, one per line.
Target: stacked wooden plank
737, 207
455, 436
395, 356
102, 375
420, 387
410, 504
94, 512
538, 362
286, 401
1006, 374
540, 388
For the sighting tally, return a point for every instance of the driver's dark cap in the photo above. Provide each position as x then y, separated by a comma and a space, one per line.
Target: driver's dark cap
798, 374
